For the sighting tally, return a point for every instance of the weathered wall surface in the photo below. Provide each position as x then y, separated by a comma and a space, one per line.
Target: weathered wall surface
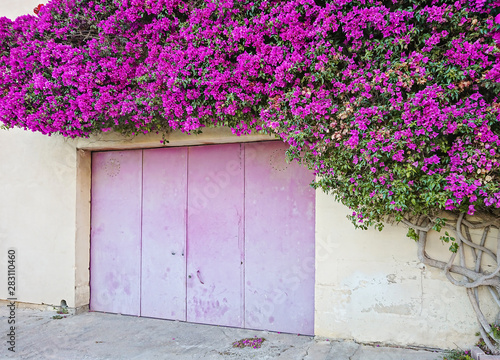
15, 8
371, 287
37, 215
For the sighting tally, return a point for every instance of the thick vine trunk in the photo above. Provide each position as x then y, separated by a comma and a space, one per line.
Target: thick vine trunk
470, 271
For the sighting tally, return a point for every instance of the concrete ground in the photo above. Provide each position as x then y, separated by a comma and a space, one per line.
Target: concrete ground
96, 336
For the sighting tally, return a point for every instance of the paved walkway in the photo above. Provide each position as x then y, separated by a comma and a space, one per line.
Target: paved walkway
98, 336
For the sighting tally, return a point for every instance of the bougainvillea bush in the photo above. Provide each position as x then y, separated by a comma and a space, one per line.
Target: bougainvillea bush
394, 104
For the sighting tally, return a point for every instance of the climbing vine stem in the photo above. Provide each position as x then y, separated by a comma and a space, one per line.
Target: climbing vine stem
473, 270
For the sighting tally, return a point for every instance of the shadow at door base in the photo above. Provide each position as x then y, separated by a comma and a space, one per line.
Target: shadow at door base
199, 324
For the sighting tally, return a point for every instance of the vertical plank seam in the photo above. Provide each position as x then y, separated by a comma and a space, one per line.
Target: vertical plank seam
243, 164
314, 256
141, 238
91, 222
186, 214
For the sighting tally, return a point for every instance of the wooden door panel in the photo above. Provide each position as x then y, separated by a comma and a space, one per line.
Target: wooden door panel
215, 235
279, 241
163, 290
115, 258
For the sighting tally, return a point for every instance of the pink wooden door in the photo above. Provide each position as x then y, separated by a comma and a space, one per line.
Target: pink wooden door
115, 258
215, 235
220, 234
163, 291
279, 241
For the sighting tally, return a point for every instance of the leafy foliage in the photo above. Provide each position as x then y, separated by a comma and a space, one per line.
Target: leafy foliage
457, 355
394, 104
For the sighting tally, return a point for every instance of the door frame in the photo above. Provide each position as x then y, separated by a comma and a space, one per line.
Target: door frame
110, 142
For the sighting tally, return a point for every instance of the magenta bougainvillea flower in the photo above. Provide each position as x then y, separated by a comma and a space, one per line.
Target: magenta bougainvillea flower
394, 104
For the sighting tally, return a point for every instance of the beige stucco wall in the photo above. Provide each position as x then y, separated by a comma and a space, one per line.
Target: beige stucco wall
371, 287
15, 8
37, 215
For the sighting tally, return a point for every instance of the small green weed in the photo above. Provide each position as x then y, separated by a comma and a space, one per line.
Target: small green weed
495, 331
494, 337
457, 355
61, 313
